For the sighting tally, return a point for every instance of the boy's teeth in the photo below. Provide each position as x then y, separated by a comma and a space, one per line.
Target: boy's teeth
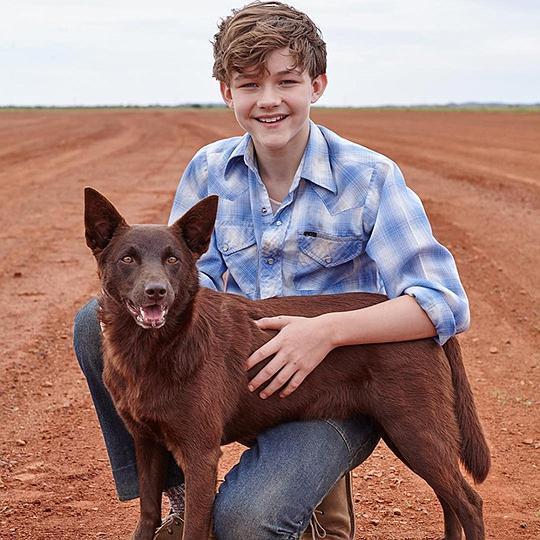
270, 120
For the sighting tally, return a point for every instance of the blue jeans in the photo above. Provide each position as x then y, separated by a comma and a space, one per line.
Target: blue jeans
272, 492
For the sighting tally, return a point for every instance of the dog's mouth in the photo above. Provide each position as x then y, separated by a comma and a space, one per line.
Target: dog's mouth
150, 316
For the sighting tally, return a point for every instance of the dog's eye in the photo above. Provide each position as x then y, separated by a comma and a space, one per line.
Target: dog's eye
172, 259
127, 259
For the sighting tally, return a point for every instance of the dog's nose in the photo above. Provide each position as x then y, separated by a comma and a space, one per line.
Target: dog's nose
155, 290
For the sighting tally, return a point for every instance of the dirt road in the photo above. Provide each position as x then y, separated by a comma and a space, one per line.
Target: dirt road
478, 175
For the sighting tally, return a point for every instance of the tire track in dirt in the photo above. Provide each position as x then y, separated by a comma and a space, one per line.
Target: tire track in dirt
505, 388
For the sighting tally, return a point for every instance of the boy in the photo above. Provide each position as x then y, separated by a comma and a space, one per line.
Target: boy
302, 211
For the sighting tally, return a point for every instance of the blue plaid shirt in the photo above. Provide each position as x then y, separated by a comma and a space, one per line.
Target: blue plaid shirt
349, 223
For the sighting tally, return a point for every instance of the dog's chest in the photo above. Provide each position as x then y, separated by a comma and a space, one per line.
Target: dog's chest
136, 398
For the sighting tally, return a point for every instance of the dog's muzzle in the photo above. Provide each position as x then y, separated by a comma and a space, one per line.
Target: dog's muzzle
149, 316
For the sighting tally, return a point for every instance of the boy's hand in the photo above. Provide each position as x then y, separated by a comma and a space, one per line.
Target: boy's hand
300, 346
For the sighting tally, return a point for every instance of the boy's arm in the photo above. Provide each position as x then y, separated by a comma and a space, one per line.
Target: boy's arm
409, 259
192, 188
398, 319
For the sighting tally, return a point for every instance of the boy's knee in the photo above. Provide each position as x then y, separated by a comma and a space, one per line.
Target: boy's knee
87, 339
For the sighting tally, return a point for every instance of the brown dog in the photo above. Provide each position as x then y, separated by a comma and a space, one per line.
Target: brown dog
174, 356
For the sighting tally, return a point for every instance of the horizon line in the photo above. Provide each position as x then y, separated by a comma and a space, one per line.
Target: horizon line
217, 105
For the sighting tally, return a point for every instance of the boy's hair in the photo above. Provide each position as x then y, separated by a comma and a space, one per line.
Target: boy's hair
246, 37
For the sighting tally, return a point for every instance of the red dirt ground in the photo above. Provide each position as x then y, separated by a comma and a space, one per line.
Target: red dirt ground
477, 174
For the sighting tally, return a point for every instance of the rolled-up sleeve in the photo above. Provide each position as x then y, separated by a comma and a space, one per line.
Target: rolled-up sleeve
192, 188
408, 257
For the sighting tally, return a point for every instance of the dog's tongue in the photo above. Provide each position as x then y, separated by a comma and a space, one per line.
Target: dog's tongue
152, 313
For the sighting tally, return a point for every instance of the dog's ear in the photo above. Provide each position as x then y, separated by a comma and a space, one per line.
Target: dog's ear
197, 224
101, 220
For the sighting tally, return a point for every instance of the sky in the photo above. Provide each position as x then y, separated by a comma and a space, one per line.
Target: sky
380, 52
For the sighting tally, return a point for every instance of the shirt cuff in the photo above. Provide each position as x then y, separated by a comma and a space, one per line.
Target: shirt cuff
434, 303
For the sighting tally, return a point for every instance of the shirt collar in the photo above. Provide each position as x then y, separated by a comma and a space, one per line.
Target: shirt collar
316, 166
316, 160
244, 149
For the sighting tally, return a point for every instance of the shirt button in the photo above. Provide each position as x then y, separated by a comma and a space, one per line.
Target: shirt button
264, 210
270, 260
328, 260
278, 223
225, 247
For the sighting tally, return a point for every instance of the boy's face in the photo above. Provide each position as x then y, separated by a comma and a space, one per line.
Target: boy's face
273, 107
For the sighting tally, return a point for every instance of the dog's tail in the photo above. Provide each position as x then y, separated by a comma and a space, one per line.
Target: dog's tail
474, 449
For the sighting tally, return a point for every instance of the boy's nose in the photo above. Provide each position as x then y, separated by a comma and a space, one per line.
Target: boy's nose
268, 98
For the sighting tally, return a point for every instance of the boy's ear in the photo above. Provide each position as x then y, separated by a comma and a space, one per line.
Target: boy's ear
318, 86
197, 224
101, 220
226, 94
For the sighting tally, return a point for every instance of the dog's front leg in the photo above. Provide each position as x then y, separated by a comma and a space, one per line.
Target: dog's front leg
151, 469
200, 472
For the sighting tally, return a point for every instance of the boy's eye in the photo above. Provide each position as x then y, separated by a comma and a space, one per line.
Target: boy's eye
288, 81
249, 85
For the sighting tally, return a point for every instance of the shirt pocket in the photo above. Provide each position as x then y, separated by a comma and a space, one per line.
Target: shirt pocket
238, 247
325, 260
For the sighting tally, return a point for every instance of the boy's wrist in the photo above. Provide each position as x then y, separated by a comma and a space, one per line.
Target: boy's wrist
331, 327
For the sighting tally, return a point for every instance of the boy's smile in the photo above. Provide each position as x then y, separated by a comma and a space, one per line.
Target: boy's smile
273, 104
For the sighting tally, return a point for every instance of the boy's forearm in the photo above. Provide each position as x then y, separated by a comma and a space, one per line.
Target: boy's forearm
399, 319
